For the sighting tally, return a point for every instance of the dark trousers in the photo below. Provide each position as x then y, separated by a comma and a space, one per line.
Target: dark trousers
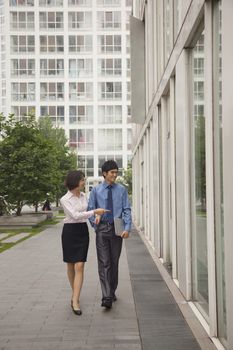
108, 247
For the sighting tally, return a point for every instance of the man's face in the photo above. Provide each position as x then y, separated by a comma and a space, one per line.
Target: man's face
111, 175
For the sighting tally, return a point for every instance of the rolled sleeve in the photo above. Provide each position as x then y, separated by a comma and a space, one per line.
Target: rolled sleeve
92, 206
126, 212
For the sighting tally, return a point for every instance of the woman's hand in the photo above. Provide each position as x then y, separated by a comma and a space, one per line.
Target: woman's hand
101, 211
97, 219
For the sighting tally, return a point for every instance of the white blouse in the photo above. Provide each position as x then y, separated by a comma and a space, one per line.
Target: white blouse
75, 208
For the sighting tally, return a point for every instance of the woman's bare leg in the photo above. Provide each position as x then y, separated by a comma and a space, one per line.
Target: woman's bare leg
78, 282
71, 274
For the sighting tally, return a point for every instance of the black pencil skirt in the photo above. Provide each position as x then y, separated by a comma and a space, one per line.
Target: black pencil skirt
75, 242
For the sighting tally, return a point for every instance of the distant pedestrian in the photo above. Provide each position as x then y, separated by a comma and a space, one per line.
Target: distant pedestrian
46, 205
75, 235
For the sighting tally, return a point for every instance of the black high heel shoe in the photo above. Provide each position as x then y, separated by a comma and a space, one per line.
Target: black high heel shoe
77, 311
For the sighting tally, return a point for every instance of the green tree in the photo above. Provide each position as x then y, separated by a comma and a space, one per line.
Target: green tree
66, 159
27, 163
126, 179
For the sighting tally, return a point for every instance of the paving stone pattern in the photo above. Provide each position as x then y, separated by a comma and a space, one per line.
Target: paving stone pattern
15, 238
35, 311
162, 325
3, 235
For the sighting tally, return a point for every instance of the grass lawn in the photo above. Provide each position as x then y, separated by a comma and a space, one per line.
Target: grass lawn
32, 232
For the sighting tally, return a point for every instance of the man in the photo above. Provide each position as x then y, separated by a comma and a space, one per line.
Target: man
113, 197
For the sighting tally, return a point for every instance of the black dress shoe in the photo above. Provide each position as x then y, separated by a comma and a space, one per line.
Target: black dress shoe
107, 304
114, 298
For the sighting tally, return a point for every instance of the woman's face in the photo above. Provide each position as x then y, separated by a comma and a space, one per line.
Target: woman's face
81, 184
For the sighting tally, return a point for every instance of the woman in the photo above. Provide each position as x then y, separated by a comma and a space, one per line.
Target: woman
75, 235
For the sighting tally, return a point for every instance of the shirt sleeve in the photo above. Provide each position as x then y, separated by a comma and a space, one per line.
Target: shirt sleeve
70, 209
92, 206
126, 211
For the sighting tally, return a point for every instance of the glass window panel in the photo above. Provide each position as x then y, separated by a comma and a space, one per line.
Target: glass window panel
199, 237
218, 176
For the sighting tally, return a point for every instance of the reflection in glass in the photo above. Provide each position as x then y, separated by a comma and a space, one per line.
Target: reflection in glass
199, 237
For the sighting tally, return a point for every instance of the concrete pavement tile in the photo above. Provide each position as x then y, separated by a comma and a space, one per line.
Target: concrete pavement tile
15, 238
45, 319
3, 235
72, 345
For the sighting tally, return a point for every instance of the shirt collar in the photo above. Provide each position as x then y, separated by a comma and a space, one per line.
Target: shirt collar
70, 194
105, 184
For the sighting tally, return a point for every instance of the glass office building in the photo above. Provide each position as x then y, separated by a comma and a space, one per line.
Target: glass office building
182, 103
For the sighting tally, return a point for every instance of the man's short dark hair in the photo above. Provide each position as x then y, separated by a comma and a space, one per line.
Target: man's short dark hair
109, 165
73, 178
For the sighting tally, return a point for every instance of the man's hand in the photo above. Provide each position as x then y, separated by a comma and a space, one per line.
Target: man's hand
125, 234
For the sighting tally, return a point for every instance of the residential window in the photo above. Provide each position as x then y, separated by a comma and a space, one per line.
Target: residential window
22, 43
200, 45
80, 68
127, 24
51, 20
56, 113
22, 20
128, 44
109, 43
80, 43
80, 20
51, 91
82, 139
110, 114
109, 66
23, 91
198, 110
198, 90
21, 2
129, 139
52, 67
128, 67
109, 19
199, 66
129, 117
110, 90
86, 165
22, 67
109, 139
50, 2
128, 90
80, 91
81, 115
22, 111
80, 3
51, 43
108, 2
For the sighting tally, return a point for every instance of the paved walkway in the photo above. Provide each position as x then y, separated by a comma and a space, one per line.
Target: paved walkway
35, 311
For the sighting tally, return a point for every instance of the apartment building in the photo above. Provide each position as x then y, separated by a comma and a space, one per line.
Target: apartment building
70, 60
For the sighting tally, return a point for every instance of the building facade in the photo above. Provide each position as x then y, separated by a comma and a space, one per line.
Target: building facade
182, 103
70, 60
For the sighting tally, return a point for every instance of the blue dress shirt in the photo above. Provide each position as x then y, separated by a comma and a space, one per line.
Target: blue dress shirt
121, 206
